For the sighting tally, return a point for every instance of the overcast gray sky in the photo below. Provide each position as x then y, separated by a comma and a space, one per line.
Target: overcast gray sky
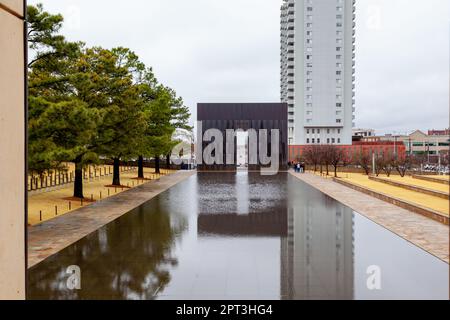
228, 51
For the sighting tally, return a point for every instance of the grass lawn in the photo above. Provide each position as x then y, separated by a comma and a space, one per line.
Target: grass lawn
428, 201
419, 183
46, 201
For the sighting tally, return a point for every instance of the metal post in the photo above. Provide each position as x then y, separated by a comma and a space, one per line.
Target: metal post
373, 163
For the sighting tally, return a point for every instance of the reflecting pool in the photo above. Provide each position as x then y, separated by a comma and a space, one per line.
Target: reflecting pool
242, 236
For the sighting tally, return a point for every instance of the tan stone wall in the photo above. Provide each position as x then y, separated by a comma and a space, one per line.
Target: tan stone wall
12, 146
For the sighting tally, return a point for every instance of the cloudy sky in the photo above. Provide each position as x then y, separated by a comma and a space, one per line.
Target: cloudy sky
228, 51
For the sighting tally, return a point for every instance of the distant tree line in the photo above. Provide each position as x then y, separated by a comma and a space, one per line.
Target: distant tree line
323, 157
87, 104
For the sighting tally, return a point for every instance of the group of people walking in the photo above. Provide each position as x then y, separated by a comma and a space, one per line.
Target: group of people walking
298, 167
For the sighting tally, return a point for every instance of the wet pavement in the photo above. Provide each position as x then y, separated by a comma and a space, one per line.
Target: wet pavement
242, 236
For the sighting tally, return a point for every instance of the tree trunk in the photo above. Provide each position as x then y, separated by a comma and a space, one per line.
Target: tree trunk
157, 164
78, 183
116, 172
168, 161
141, 167
335, 171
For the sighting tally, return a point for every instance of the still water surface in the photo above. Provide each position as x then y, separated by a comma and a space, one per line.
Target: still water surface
241, 236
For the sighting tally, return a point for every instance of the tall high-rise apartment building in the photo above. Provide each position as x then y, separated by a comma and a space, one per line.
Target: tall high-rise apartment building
318, 70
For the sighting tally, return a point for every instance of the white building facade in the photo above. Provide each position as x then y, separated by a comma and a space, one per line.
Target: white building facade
318, 70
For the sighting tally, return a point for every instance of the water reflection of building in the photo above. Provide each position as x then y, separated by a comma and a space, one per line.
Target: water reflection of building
316, 233
317, 254
267, 224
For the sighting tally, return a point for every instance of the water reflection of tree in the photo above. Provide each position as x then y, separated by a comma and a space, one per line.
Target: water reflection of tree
130, 258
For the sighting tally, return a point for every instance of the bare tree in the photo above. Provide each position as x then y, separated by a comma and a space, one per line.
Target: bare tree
388, 163
346, 159
363, 160
418, 160
312, 156
379, 163
335, 156
326, 152
402, 164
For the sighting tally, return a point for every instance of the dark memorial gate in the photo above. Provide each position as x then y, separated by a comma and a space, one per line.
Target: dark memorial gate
255, 118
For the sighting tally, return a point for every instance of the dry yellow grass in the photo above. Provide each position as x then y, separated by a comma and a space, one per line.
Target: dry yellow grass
428, 201
418, 183
45, 202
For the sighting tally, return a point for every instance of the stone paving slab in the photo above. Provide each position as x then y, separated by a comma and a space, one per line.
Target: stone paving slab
423, 232
54, 235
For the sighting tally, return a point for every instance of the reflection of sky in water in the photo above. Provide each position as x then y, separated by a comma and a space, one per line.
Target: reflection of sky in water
406, 271
241, 236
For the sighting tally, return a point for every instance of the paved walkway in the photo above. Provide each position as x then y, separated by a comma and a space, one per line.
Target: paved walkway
54, 235
425, 233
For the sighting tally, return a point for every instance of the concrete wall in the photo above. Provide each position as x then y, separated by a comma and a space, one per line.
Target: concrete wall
12, 149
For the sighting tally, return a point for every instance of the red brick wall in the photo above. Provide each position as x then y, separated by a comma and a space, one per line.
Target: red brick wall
296, 151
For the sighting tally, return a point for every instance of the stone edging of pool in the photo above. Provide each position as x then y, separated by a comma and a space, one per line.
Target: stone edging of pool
429, 213
425, 233
52, 236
